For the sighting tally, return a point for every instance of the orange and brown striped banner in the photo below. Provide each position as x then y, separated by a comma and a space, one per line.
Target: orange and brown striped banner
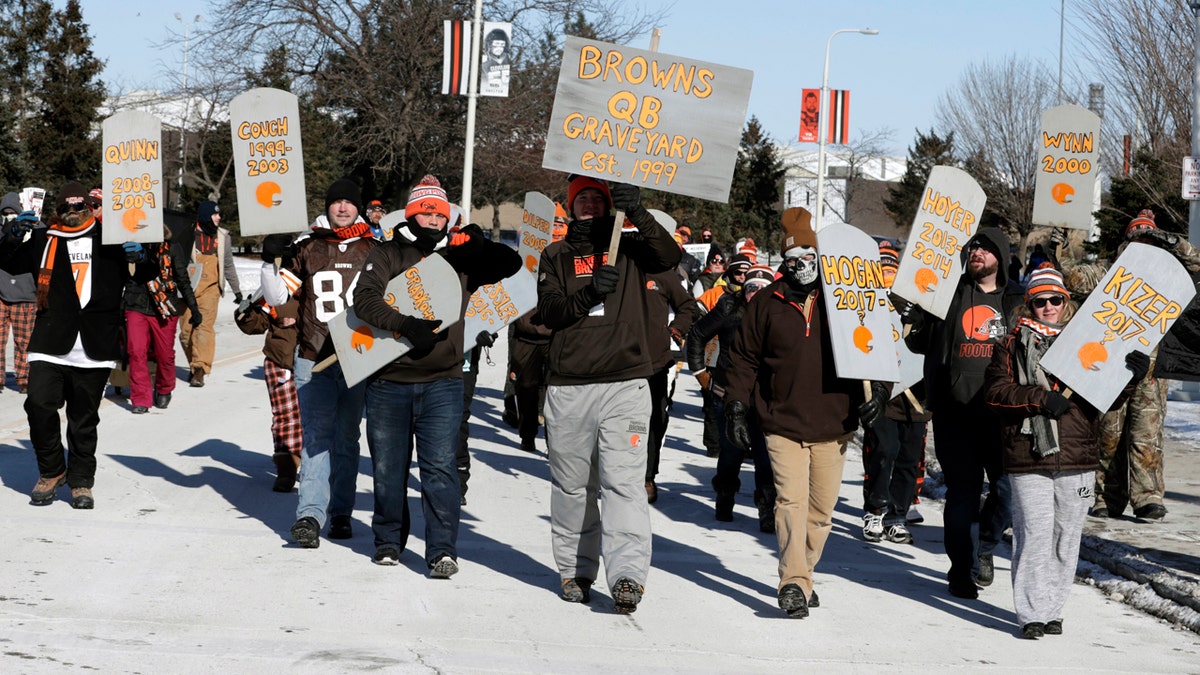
456, 63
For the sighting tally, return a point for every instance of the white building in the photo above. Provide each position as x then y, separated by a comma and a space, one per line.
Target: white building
855, 185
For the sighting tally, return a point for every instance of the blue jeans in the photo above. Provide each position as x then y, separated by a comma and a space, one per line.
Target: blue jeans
432, 412
331, 415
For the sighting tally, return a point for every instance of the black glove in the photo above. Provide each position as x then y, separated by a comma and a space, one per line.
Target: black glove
871, 411
133, 251
1056, 404
485, 339
196, 318
910, 313
1138, 363
628, 198
419, 332
277, 246
605, 278
237, 298
737, 429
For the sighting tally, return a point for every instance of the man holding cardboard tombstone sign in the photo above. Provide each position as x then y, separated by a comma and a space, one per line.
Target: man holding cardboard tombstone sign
781, 362
966, 433
598, 399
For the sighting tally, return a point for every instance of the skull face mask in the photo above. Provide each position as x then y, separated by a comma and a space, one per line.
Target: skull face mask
800, 265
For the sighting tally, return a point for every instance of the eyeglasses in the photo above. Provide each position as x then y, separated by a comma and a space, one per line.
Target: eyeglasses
1053, 300
64, 209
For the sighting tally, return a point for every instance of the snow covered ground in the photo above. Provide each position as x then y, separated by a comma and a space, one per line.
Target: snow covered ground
185, 566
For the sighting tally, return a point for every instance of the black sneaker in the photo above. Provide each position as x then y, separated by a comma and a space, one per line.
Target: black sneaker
963, 588
1150, 512
627, 593
577, 590
386, 555
162, 400
339, 528
791, 600
443, 568
1053, 627
140, 410
987, 571
1033, 631
306, 532
813, 600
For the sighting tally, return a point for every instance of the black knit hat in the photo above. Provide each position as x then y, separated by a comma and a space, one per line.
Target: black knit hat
344, 188
205, 211
73, 192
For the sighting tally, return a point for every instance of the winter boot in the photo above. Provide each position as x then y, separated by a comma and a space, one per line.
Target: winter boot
766, 511
287, 466
725, 506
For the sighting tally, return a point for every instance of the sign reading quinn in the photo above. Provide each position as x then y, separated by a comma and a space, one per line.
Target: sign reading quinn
948, 215
856, 304
647, 118
131, 171
1132, 307
268, 162
1068, 167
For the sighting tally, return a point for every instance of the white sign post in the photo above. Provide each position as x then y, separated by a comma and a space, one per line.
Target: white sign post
931, 264
268, 162
856, 304
1068, 167
1132, 307
131, 168
647, 118
537, 228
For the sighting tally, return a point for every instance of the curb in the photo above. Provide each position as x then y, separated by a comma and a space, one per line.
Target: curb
1122, 573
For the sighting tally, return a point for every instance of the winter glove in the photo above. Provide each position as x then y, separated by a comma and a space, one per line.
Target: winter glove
485, 339
1056, 404
628, 198
676, 336
23, 223
196, 318
237, 298
1058, 237
1138, 363
277, 246
419, 332
737, 429
871, 411
133, 251
604, 279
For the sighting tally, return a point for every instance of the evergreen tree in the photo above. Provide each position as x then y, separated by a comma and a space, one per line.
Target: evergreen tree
1129, 195
61, 144
927, 151
24, 25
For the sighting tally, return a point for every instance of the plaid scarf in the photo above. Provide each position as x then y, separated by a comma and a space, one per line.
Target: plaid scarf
163, 289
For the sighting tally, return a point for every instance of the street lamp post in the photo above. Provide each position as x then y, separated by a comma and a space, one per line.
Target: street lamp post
187, 100
1194, 206
821, 131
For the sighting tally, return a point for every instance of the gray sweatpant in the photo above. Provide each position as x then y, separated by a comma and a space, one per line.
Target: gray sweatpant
596, 437
1048, 510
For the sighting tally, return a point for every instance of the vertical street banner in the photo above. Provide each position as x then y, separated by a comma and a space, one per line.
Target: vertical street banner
456, 57
1132, 308
1068, 167
430, 289
839, 117
810, 116
131, 172
496, 59
493, 307
856, 304
537, 225
268, 162
648, 119
931, 263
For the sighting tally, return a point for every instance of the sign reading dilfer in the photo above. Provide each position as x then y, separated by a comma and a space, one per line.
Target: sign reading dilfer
268, 162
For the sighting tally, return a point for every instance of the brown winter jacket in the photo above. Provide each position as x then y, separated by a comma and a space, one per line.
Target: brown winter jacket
282, 326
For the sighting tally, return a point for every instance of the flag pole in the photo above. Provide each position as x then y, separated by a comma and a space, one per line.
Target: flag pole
472, 98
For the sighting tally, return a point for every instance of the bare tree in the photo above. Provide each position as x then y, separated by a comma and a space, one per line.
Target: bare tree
995, 113
870, 148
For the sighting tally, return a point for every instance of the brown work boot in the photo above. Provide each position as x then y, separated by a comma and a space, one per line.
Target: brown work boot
197, 377
287, 466
43, 493
81, 498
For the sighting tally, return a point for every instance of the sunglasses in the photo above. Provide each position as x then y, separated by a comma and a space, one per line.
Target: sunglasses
1053, 300
64, 209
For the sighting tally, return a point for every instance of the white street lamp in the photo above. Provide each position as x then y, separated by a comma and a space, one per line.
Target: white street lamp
187, 100
822, 125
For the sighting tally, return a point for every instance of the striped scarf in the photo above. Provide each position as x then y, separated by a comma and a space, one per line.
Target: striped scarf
56, 231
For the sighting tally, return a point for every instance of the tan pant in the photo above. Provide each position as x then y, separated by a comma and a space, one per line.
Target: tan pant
200, 343
808, 477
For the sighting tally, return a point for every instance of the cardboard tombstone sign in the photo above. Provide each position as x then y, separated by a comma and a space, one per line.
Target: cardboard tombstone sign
494, 306
1132, 307
1068, 167
430, 289
664, 219
647, 118
268, 162
911, 364
856, 304
948, 216
537, 226
131, 170
390, 221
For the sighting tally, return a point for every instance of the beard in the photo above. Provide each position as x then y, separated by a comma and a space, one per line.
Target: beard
981, 270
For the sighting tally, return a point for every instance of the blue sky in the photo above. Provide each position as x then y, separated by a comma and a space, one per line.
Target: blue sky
895, 77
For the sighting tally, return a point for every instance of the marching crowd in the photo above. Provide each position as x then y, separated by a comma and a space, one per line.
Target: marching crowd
594, 362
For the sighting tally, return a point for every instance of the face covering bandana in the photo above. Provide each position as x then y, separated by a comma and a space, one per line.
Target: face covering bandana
801, 265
